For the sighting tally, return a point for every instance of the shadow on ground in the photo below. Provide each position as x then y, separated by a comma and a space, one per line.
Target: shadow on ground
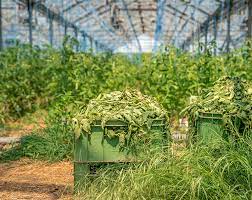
55, 190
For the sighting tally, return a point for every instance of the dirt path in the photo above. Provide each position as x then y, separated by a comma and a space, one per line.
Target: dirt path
27, 179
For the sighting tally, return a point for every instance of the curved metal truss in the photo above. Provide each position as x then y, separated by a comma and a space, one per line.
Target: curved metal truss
129, 25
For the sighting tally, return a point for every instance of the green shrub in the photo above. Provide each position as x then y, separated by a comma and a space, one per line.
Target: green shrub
35, 77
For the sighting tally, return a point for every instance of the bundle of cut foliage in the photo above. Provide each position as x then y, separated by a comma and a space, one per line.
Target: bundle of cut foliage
231, 97
136, 110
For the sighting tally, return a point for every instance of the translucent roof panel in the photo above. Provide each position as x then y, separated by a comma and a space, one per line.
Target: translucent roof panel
129, 24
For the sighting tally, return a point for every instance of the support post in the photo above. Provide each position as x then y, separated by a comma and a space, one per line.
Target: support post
198, 40
193, 41
215, 26
75, 33
76, 36
96, 47
51, 30
228, 25
183, 46
65, 29
249, 19
206, 39
29, 9
84, 46
1, 30
91, 44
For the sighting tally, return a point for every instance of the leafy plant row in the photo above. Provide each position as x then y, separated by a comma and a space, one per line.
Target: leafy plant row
37, 77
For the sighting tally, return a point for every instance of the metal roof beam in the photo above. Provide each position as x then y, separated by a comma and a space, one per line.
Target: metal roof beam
139, 9
141, 16
184, 17
40, 7
90, 13
73, 6
186, 22
176, 26
132, 26
103, 24
199, 9
159, 23
215, 16
98, 10
182, 13
219, 1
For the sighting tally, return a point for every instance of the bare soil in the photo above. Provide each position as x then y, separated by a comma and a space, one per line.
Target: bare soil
27, 179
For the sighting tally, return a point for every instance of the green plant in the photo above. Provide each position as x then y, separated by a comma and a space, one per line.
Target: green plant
229, 97
32, 78
201, 173
53, 143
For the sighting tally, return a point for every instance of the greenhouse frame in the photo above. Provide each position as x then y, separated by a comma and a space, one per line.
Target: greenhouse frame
131, 26
126, 99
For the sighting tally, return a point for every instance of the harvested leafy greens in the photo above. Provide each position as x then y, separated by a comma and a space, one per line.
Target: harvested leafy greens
231, 97
130, 107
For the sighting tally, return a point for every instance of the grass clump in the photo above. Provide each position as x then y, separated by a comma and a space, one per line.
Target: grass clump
201, 173
52, 144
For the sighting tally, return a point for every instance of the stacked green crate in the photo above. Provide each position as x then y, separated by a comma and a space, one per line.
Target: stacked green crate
112, 141
210, 127
221, 112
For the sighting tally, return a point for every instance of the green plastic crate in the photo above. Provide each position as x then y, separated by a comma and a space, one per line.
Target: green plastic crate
209, 127
96, 149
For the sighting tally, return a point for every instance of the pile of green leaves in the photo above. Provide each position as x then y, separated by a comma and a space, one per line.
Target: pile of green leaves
231, 97
136, 110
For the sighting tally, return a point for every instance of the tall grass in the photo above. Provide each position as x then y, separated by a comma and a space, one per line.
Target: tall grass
203, 172
52, 144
